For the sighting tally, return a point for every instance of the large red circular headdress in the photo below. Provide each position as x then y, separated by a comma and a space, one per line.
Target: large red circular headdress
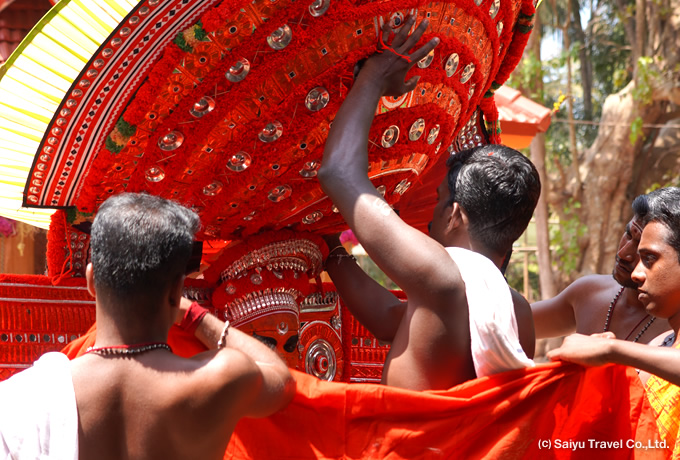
225, 106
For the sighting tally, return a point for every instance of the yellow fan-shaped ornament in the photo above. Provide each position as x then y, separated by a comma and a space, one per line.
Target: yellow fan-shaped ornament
34, 81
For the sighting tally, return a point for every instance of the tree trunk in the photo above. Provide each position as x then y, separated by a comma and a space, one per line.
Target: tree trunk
613, 170
586, 67
545, 273
607, 175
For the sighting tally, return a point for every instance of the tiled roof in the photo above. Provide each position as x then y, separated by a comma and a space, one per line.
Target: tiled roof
515, 108
17, 18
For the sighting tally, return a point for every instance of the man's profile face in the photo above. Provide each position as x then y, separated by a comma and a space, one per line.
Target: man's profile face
437, 227
627, 255
658, 272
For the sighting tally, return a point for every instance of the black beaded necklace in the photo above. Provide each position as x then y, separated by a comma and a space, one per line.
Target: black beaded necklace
127, 350
610, 311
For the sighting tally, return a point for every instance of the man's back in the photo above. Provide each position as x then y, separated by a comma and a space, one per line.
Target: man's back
431, 348
158, 405
470, 330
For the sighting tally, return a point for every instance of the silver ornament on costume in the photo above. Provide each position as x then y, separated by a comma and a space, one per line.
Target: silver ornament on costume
280, 38
309, 169
203, 106
432, 135
155, 174
451, 64
280, 193
212, 188
317, 99
467, 73
427, 60
495, 6
390, 136
417, 129
312, 218
239, 161
170, 141
319, 7
238, 71
271, 132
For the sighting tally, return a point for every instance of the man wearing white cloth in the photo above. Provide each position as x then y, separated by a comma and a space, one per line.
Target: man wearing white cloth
130, 396
459, 322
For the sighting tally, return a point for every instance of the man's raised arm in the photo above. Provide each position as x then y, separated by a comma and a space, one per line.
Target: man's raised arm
412, 260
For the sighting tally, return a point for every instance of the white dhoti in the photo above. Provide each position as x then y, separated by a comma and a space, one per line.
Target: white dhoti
38, 414
493, 326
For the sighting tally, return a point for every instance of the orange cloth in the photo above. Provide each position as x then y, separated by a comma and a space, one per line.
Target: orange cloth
526, 413
509, 415
665, 400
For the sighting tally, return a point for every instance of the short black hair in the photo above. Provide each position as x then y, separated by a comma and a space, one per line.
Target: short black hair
661, 205
498, 188
140, 243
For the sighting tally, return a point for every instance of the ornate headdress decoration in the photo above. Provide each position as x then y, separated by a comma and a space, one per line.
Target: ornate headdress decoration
265, 274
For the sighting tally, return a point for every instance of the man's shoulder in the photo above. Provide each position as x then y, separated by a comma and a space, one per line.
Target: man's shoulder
594, 282
224, 368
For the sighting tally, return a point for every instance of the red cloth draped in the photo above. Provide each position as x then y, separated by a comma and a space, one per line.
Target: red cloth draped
527, 413
510, 415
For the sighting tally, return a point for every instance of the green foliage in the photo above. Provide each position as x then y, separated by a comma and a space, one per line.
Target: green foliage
182, 43
558, 142
646, 72
528, 73
636, 130
609, 54
200, 33
669, 179
565, 238
620, 78
112, 146
514, 274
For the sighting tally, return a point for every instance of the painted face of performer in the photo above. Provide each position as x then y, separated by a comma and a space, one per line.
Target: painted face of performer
278, 330
658, 272
627, 256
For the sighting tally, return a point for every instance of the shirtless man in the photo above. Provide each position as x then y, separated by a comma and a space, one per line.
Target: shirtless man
599, 303
431, 334
134, 397
658, 276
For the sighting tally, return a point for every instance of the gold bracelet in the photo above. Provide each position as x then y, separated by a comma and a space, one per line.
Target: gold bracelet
223, 337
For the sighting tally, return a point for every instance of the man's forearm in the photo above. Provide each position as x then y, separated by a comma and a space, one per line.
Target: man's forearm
663, 362
373, 305
346, 156
210, 329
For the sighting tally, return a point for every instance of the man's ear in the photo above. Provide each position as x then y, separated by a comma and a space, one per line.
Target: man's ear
89, 277
457, 218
